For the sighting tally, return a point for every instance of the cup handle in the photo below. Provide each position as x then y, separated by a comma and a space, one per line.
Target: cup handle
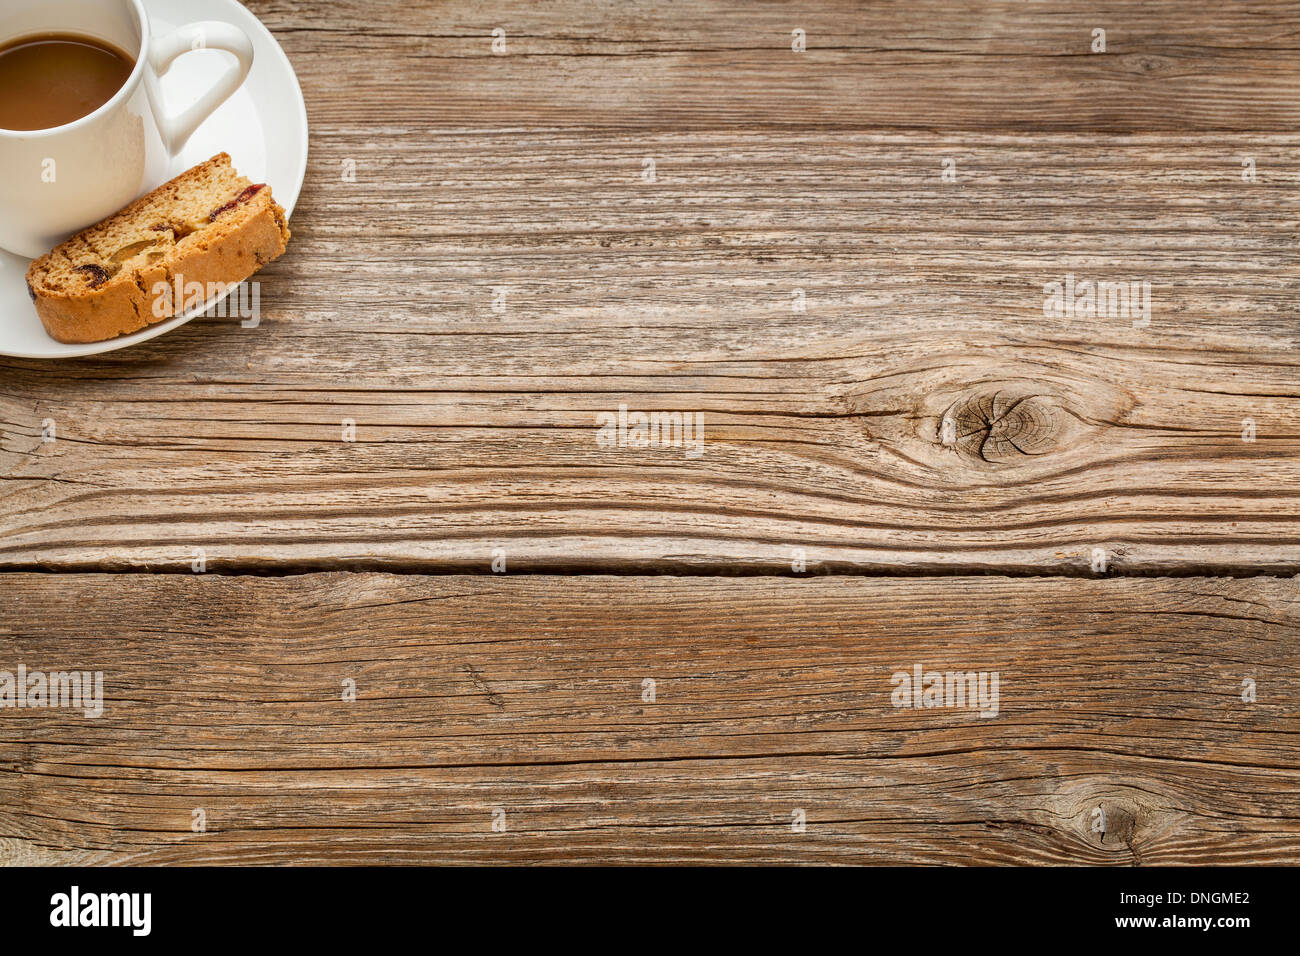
177, 128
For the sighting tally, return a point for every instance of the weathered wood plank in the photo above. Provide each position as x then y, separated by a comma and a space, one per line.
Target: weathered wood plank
823, 429
921, 414
734, 222
528, 694
707, 64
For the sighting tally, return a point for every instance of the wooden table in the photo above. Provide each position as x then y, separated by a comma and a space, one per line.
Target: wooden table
840, 261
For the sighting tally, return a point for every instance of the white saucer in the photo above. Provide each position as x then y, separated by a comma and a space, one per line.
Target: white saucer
263, 127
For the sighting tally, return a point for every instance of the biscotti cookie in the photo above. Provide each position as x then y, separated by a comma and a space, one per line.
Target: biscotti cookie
207, 228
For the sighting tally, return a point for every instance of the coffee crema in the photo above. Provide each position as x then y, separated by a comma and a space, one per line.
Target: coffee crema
52, 79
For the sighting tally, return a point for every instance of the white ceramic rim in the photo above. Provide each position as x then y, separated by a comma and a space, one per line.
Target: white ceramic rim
132, 81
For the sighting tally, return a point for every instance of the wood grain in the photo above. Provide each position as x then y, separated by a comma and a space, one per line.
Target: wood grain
519, 181
708, 64
526, 693
823, 428
905, 460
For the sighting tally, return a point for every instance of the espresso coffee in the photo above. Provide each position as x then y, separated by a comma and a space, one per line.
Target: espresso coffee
56, 78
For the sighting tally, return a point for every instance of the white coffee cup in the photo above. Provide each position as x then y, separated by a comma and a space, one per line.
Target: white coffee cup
56, 181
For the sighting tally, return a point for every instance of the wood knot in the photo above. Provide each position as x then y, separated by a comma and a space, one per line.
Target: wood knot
1146, 64
999, 427
1123, 821
1114, 825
